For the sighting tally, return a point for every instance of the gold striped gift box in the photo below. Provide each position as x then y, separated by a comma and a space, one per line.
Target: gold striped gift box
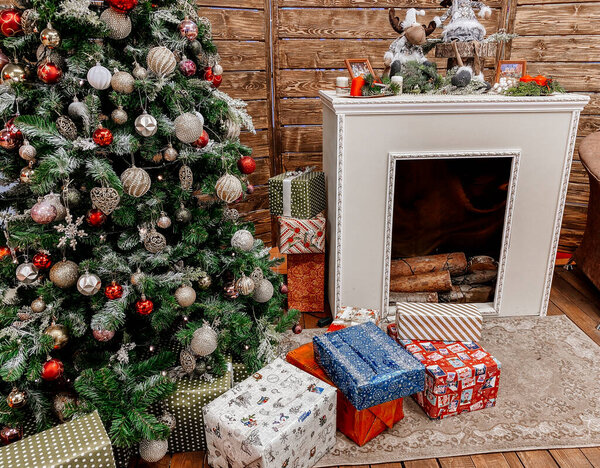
438, 322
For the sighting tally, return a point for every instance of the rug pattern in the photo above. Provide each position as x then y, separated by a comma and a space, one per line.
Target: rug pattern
549, 398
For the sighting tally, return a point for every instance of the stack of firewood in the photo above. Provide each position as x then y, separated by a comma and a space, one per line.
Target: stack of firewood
443, 278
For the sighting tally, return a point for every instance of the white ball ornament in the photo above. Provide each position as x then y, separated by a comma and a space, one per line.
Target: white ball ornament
88, 284
217, 70
229, 188
263, 291
146, 125
185, 296
152, 451
118, 24
26, 273
161, 61
188, 127
99, 77
136, 182
204, 341
243, 240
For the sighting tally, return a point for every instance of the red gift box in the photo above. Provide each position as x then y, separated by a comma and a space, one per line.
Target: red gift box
306, 282
301, 236
460, 376
359, 426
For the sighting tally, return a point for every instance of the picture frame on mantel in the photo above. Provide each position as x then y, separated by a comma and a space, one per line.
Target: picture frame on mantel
358, 67
511, 69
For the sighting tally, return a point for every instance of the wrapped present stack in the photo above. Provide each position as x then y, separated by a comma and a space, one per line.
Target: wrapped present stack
461, 375
372, 375
298, 199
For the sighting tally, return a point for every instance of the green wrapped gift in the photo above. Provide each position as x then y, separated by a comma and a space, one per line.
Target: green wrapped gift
240, 373
186, 405
297, 194
81, 442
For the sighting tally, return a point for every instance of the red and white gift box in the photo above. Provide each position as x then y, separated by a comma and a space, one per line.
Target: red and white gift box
459, 376
349, 316
302, 236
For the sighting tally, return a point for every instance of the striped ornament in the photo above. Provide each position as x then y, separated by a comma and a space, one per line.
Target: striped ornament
136, 182
161, 61
301, 236
443, 322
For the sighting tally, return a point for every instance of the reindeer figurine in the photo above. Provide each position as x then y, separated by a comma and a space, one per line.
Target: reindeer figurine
409, 46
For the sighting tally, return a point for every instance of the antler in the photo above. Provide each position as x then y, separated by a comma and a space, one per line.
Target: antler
395, 21
430, 28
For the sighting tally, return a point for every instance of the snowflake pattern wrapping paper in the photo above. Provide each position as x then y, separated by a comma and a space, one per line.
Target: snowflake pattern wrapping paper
82, 442
359, 426
278, 417
460, 376
368, 366
350, 316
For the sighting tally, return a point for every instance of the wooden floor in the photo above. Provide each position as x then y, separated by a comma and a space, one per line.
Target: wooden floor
572, 295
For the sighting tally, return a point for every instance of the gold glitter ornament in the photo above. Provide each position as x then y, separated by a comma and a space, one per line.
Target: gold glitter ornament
243, 240
59, 335
170, 154
263, 291
204, 341
139, 72
188, 127
118, 24
122, 82
38, 305
119, 116
64, 274
185, 296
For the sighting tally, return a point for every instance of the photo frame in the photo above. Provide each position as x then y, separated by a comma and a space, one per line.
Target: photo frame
511, 69
358, 67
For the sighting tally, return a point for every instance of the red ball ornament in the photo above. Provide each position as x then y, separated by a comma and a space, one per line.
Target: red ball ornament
187, 67
49, 73
42, 260
103, 335
10, 22
95, 217
102, 136
8, 435
10, 136
122, 6
113, 291
283, 289
52, 369
217, 80
202, 141
4, 252
144, 306
246, 165
297, 329
208, 74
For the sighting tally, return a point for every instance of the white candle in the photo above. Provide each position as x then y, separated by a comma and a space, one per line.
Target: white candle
342, 85
399, 80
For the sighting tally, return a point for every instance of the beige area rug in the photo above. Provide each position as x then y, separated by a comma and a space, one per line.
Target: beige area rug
549, 398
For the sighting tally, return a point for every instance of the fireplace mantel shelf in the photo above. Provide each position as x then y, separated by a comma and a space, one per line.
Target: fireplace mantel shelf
363, 139
482, 103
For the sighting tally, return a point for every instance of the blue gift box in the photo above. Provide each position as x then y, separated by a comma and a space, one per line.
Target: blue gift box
368, 366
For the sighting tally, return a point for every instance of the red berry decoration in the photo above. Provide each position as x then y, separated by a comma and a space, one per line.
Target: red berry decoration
102, 136
52, 369
49, 73
297, 329
202, 141
95, 217
42, 260
208, 74
122, 6
113, 291
144, 306
10, 22
4, 252
246, 165
249, 189
8, 435
217, 80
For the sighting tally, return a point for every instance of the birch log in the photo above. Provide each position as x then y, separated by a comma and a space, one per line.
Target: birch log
455, 263
425, 282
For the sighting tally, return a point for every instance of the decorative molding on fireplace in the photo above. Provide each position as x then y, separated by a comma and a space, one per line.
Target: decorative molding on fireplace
339, 215
559, 214
393, 157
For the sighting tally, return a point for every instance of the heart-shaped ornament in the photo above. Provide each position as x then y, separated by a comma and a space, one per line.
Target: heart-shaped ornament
106, 199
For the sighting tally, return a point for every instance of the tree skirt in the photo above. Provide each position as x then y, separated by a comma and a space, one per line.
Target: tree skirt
549, 398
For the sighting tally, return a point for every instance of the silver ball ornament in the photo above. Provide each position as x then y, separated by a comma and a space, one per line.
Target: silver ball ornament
146, 125
38, 305
204, 341
163, 222
188, 127
122, 82
43, 212
89, 284
217, 70
161, 61
78, 109
245, 285
26, 273
64, 274
152, 451
168, 420
136, 181
185, 296
170, 154
204, 281
54, 200
183, 215
27, 151
229, 188
139, 72
118, 24
264, 291
243, 240
119, 116
99, 77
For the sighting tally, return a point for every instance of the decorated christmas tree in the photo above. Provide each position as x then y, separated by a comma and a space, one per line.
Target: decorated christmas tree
121, 163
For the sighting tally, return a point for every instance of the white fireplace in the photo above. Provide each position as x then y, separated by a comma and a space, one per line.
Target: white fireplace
363, 140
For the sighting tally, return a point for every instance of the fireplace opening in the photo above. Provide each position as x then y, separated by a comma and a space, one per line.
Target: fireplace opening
448, 228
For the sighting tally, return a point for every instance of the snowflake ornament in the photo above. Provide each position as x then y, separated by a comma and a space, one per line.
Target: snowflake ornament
70, 231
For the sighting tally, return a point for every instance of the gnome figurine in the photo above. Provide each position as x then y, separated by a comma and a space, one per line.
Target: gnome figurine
408, 47
463, 25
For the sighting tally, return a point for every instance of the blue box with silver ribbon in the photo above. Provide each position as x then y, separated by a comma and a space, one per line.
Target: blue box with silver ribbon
299, 194
368, 366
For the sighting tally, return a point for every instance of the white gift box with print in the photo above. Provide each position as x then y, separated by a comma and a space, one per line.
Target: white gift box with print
279, 416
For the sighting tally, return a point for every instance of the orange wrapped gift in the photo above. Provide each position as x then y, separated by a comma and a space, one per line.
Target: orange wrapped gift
360, 426
306, 282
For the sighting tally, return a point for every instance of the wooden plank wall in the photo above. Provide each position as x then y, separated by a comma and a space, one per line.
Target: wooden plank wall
239, 29
309, 39
560, 38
